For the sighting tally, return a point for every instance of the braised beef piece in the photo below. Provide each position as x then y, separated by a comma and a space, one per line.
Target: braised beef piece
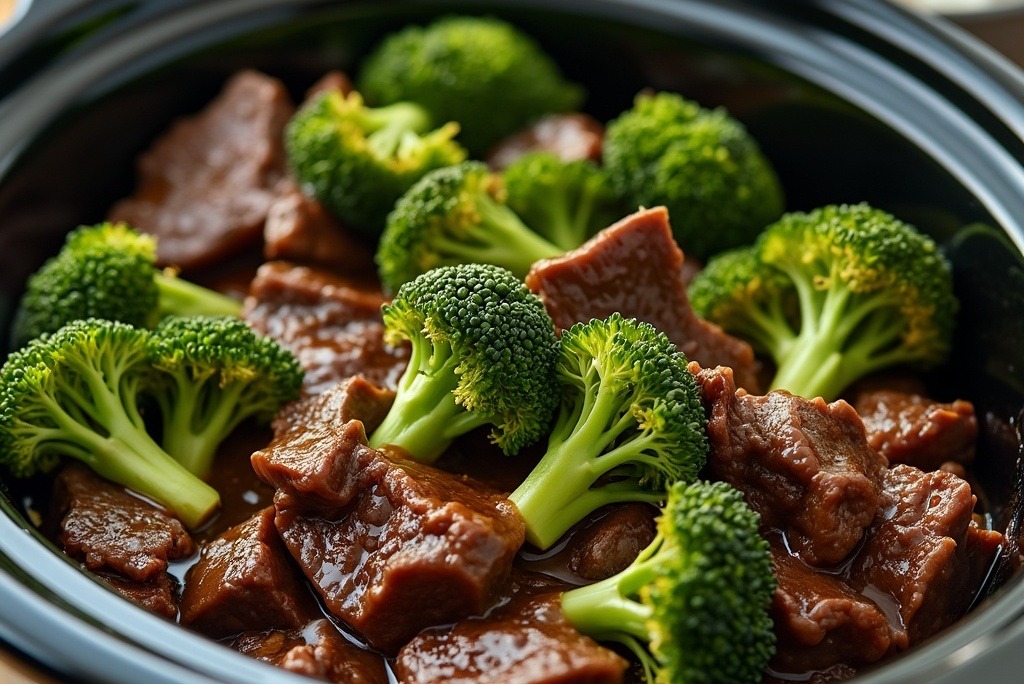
311, 458
353, 399
299, 228
820, 620
158, 595
526, 641
244, 580
331, 324
107, 528
920, 567
635, 268
925, 551
804, 465
906, 426
570, 136
206, 185
391, 545
610, 543
317, 651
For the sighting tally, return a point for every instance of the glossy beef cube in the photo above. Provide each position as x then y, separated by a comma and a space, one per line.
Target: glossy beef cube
803, 464
527, 641
245, 580
635, 268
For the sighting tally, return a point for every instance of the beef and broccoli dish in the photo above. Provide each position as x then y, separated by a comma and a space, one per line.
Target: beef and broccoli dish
429, 375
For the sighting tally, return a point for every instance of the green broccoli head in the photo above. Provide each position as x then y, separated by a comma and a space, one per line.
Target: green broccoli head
631, 414
456, 215
103, 271
358, 160
739, 292
833, 295
701, 164
75, 393
213, 373
107, 271
565, 202
479, 71
694, 606
483, 353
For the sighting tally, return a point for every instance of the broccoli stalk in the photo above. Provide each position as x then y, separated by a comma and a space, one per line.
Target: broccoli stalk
358, 160
565, 202
107, 271
75, 393
630, 410
214, 373
833, 295
479, 71
694, 605
483, 352
179, 297
456, 215
702, 164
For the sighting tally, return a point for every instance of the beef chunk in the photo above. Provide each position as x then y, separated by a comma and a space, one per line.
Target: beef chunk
635, 268
353, 399
906, 426
107, 528
333, 326
311, 459
918, 571
527, 641
299, 228
244, 580
804, 465
820, 620
158, 595
570, 136
205, 187
610, 543
317, 651
918, 552
398, 546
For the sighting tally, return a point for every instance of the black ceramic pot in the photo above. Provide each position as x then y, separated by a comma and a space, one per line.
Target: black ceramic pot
852, 100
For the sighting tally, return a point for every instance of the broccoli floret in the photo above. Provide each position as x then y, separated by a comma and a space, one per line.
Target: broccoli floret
702, 164
479, 71
456, 215
75, 393
694, 606
483, 353
215, 372
833, 295
750, 300
358, 160
631, 414
107, 271
565, 202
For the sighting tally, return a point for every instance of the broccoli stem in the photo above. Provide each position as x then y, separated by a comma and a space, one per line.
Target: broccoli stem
558, 491
840, 340
180, 297
129, 456
604, 610
502, 238
197, 404
570, 225
388, 126
425, 417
